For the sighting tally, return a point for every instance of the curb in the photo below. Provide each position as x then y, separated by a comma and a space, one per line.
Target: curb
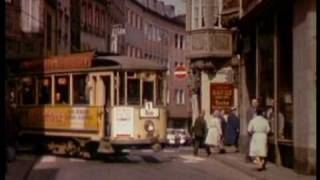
240, 168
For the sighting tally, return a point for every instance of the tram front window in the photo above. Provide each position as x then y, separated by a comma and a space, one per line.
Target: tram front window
62, 90
79, 89
147, 91
28, 91
133, 91
45, 91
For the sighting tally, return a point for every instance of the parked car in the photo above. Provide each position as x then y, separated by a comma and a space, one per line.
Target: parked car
177, 137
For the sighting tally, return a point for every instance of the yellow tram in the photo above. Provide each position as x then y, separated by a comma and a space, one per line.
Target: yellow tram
91, 101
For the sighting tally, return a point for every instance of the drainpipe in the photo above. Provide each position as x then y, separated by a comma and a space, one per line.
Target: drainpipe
276, 111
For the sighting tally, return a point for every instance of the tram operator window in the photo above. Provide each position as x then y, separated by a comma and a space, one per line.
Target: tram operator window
80, 94
62, 90
45, 91
133, 91
147, 91
28, 91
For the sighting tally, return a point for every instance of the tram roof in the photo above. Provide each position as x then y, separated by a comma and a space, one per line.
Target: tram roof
85, 61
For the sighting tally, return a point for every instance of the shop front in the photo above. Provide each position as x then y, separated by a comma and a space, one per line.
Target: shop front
269, 60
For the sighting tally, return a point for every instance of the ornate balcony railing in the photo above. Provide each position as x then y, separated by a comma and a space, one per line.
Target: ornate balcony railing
206, 43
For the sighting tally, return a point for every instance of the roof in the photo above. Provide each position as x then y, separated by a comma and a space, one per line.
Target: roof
84, 61
130, 63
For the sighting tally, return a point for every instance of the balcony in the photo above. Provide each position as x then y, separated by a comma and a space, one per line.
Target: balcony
210, 43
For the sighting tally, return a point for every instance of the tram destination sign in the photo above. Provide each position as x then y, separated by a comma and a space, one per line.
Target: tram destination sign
221, 95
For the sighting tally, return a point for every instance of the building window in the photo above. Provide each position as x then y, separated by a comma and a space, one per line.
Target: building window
84, 12
180, 96
28, 91
49, 29
80, 89
44, 85
181, 42
66, 29
103, 18
89, 15
62, 89
129, 16
133, 19
176, 39
97, 14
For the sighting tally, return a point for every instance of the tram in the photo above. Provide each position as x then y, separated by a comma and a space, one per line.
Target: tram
91, 102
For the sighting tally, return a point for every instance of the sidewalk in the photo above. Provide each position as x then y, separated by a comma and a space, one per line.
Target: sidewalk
20, 168
236, 161
272, 172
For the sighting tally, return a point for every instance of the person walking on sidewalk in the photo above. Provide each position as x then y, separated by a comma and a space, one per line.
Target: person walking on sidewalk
199, 131
214, 136
251, 113
232, 129
259, 128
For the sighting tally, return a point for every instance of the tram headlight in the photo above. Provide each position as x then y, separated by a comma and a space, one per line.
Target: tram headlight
149, 126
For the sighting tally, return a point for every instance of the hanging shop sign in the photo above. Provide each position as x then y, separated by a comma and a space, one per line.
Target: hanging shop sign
221, 95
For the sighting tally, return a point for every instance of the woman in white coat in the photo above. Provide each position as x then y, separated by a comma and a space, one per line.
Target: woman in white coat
214, 130
259, 128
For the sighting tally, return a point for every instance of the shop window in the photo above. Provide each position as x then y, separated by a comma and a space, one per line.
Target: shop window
147, 94
133, 91
80, 92
28, 91
62, 89
45, 90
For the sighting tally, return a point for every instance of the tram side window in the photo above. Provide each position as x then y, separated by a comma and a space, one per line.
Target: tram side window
62, 90
160, 91
79, 90
147, 91
121, 88
28, 91
45, 90
133, 91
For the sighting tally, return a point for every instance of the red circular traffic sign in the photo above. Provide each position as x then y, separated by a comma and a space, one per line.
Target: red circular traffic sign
180, 72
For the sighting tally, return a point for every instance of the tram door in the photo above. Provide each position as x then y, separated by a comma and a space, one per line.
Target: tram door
103, 98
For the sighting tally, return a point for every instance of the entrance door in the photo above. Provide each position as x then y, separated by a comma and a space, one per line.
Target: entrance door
106, 80
102, 97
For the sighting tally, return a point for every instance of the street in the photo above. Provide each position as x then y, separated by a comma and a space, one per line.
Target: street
136, 164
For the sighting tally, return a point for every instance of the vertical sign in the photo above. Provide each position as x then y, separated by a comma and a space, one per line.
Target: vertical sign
221, 95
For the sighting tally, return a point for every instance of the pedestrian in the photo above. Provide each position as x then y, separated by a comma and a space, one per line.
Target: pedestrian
251, 113
259, 128
213, 138
223, 122
199, 132
232, 129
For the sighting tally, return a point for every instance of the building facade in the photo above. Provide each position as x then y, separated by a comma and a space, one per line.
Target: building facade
210, 47
63, 20
278, 67
152, 33
93, 35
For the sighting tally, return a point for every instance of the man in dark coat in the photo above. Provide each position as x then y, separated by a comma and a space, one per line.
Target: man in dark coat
200, 131
232, 129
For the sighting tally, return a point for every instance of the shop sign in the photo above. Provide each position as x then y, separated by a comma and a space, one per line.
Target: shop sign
221, 95
148, 111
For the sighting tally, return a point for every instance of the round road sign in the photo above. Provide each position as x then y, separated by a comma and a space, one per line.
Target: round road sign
180, 72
